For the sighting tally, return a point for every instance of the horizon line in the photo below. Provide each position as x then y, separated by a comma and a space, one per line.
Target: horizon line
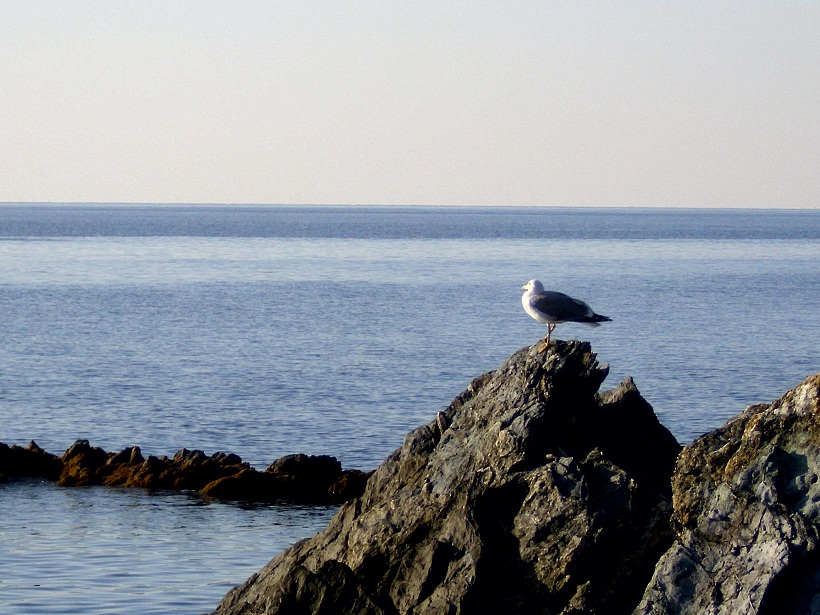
406, 205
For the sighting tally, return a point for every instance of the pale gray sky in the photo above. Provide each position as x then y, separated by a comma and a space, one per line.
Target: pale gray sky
422, 102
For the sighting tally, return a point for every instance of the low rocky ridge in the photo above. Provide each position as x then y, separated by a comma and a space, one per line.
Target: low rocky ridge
530, 493
299, 478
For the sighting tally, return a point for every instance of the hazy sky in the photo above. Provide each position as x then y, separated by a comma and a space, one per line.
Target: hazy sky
475, 102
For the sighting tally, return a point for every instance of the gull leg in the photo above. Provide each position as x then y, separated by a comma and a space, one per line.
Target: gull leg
546, 343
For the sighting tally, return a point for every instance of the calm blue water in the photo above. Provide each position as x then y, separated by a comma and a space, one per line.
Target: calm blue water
100, 550
269, 330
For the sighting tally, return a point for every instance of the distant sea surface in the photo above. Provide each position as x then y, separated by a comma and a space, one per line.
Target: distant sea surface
264, 331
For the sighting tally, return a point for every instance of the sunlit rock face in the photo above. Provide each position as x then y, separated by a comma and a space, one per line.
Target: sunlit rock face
747, 515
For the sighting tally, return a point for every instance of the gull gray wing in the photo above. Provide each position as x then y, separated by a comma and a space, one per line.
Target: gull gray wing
561, 307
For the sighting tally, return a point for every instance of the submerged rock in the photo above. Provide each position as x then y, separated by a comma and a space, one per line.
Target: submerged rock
747, 516
530, 493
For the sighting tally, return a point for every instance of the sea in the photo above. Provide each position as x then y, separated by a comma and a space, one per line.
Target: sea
270, 330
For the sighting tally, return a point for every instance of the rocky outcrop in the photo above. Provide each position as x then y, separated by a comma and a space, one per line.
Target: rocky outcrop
297, 478
530, 493
747, 516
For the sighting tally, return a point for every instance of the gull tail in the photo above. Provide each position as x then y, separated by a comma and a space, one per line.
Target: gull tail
596, 319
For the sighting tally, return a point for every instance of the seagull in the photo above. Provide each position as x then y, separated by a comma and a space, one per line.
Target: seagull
552, 308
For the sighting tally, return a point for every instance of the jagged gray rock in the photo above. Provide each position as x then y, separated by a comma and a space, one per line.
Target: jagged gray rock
747, 516
530, 493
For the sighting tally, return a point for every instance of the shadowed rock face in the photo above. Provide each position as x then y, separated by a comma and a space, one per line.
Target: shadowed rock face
530, 493
31, 461
747, 515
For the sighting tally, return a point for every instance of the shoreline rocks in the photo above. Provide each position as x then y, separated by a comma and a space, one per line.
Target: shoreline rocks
298, 478
530, 493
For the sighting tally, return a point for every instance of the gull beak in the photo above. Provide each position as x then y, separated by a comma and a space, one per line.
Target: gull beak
525, 287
